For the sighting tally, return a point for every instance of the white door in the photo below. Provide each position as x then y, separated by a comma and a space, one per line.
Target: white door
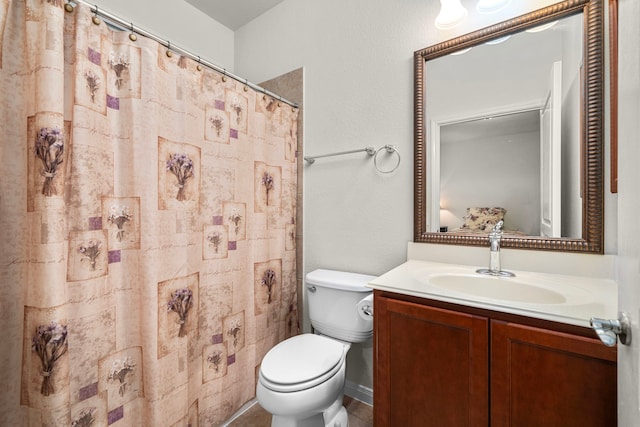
628, 265
550, 155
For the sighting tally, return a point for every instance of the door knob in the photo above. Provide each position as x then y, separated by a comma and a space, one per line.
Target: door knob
609, 330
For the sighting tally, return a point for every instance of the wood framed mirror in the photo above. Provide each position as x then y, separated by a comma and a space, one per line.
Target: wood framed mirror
579, 103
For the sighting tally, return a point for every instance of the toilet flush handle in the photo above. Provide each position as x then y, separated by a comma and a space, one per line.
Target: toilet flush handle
367, 310
311, 288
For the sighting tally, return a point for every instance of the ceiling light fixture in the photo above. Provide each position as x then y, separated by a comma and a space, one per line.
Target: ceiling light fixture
451, 14
491, 6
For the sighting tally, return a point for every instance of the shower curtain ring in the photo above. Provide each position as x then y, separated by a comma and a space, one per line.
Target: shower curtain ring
95, 18
199, 67
224, 74
169, 53
68, 7
246, 85
132, 35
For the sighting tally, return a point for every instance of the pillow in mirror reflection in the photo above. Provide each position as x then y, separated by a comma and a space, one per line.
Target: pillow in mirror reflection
482, 219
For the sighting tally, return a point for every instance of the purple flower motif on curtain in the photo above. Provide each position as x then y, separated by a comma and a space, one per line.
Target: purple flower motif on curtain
182, 167
119, 371
235, 218
119, 216
49, 148
217, 123
236, 106
93, 83
118, 63
291, 314
49, 343
181, 302
215, 239
85, 418
90, 252
234, 331
215, 359
268, 280
267, 181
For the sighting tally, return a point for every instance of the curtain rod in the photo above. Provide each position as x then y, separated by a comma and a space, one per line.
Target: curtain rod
125, 25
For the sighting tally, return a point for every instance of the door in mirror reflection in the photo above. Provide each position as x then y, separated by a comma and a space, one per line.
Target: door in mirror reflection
551, 156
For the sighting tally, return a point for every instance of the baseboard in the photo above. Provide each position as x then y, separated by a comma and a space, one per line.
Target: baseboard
240, 412
351, 389
358, 392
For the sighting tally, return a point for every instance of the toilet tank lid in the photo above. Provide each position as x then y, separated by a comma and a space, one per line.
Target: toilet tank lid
354, 282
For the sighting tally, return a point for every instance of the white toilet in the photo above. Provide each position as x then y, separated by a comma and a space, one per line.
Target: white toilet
301, 380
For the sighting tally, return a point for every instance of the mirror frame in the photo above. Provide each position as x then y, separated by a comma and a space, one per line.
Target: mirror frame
592, 120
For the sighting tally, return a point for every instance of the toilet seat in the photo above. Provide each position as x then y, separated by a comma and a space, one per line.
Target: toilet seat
301, 362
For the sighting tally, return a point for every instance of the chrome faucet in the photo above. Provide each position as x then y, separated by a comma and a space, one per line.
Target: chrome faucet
495, 236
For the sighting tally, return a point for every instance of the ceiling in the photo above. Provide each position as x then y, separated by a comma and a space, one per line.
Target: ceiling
234, 13
492, 127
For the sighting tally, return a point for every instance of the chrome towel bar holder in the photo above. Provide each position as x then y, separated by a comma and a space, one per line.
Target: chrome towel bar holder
390, 149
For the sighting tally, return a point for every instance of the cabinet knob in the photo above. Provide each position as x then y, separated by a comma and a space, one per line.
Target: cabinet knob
609, 330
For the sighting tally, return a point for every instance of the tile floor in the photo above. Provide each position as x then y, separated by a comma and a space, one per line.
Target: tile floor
360, 415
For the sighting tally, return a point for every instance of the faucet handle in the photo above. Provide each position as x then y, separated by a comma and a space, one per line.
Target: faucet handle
498, 226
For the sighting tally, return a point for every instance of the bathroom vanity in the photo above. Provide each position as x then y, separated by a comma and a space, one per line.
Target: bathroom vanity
454, 349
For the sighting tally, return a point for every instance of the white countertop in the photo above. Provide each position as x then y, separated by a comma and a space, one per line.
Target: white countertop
584, 297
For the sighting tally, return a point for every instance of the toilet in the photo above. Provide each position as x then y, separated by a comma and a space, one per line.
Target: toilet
301, 380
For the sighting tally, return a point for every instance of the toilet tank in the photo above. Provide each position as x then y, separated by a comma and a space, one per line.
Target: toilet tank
332, 298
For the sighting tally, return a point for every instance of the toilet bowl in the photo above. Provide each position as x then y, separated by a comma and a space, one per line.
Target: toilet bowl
301, 380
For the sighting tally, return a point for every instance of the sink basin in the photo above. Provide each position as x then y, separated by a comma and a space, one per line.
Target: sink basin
497, 288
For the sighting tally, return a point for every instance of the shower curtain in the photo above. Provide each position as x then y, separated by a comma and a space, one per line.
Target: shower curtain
147, 212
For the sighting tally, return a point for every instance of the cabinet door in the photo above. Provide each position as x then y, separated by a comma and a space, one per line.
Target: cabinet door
431, 366
545, 378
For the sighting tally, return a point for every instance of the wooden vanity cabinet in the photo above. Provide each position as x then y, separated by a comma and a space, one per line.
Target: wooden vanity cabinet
432, 366
541, 377
440, 364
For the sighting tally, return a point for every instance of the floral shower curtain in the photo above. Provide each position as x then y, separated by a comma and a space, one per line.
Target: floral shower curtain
147, 208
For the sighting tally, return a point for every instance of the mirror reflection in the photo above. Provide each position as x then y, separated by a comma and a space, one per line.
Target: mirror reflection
503, 119
558, 73
504, 152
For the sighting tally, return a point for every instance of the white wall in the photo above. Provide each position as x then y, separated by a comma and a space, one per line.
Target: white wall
181, 24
